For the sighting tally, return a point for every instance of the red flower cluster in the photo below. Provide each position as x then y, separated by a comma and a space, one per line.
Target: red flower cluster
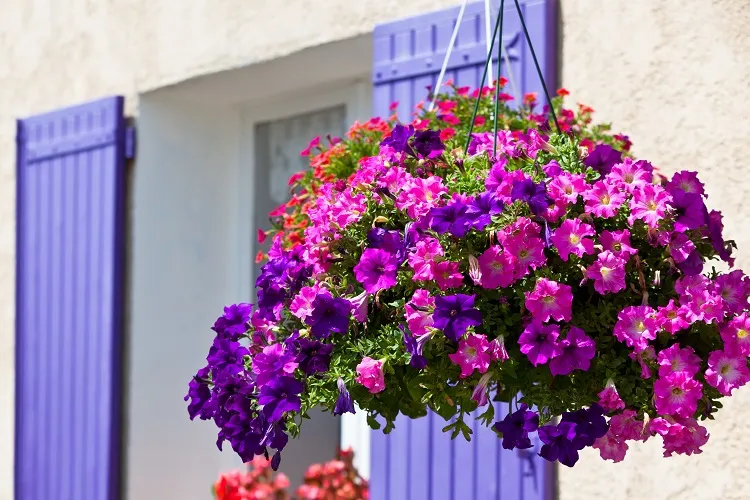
334, 480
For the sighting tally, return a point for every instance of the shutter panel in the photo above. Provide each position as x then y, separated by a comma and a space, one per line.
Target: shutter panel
70, 258
417, 460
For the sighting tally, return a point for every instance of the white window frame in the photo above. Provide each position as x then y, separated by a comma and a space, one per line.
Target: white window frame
357, 97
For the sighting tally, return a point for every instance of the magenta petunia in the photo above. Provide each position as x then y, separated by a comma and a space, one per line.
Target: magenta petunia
603, 199
370, 374
497, 268
566, 187
611, 448
497, 349
472, 354
608, 273
649, 204
550, 299
539, 342
733, 288
677, 394
526, 250
609, 398
645, 359
678, 360
419, 312
448, 275
636, 326
629, 175
376, 270
687, 182
576, 351
672, 318
727, 371
301, 305
571, 238
680, 247
422, 260
683, 436
618, 242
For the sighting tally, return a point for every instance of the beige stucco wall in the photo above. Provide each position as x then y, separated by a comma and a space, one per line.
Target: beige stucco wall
673, 74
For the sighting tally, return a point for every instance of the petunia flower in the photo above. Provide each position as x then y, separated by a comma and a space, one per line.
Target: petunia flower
603, 200
603, 158
472, 354
681, 435
558, 443
496, 267
550, 299
422, 260
571, 238
608, 273
677, 394
636, 326
447, 274
482, 208
609, 398
567, 187
376, 270
418, 312
675, 359
617, 242
649, 204
273, 361
279, 396
611, 448
497, 349
727, 371
344, 403
479, 394
575, 353
313, 356
689, 211
687, 182
629, 176
535, 195
454, 314
672, 318
329, 315
370, 374
233, 323
414, 347
515, 428
539, 342
427, 144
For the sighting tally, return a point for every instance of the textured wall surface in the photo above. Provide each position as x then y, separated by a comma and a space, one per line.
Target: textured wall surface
672, 74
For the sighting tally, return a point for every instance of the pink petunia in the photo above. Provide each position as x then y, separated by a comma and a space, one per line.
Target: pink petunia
539, 342
603, 200
611, 448
629, 175
497, 349
677, 394
678, 360
609, 398
736, 334
448, 275
496, 267
683, 436
423, 259
727, 371
680, 247
635, 327
704, 306
618, 242
370, 374
608, 273
420, 195
649, 204
571, 237
567, 187
550, 299
521, 240
301, 305
419, 312
626, 426
672, 318
734, 288
472, 354
644, 358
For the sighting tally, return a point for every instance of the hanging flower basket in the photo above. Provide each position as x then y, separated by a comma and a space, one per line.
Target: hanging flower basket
414, 270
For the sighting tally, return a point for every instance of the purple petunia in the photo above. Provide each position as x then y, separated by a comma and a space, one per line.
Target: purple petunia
279, 396
273, 361
535, 195
376, 270
233, 323
414, 347
558, 443
454, 314
427, 144
199, 394
226, 356
453, 219
313, 356
344, 403
603, 158
539, 342
516, 426
690, 211
576, 352
482, 208
590, 425
388, 240
329, 315
399, 138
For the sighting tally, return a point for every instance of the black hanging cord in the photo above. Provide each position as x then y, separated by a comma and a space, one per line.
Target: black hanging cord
538, 69
497, 84
484, 77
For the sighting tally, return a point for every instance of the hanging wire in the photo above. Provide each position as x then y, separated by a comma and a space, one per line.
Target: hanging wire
481, 85
538, 69
487, 26
447, 57
497, 84
509, 67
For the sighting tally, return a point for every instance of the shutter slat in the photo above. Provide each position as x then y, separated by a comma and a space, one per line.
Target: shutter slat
406, 60
70, 248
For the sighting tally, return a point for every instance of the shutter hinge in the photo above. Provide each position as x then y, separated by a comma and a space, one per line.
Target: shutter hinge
130, 143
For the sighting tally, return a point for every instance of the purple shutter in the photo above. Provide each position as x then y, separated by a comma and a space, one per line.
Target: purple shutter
416, 460
70, 257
